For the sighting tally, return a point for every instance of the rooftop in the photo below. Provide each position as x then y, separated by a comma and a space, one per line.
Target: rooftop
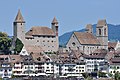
40, 30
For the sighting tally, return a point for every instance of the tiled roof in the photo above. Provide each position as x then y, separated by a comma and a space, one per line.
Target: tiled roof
19, 17
39, 57
114, 61
33, 49
86, 38
37, 30
112, 44
70, 57
100, 51
54, 20
101, 23
15, 58
101, 54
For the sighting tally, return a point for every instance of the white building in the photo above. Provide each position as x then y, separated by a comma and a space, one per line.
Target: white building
93, 62
5, 67
114, 63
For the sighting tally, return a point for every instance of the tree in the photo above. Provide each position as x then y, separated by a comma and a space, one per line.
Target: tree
101, 74
5, 43
18, 46
3, 34
117, 76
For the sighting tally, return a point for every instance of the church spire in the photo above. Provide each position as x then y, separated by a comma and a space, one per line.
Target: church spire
19, 17
54, 21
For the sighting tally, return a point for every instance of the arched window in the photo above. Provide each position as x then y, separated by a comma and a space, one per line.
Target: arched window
105, 31
99, 31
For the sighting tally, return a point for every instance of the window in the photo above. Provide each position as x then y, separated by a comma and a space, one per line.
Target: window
9, 69
79, 70
113, 71
73, 43
99, 31
105, 31
117, 67
31, 67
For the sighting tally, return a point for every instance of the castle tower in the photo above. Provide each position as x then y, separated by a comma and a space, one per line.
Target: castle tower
89, 28
102, 33
55, 26
19, 25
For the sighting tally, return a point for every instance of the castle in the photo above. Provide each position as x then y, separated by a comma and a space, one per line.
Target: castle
38, 36
46, 39
86, 42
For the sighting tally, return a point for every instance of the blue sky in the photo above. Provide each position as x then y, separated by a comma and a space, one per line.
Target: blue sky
71, 14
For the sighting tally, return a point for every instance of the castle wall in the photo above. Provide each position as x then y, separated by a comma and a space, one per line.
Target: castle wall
47, 43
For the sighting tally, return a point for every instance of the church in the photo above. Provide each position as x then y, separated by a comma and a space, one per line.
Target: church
86, 42
38, 36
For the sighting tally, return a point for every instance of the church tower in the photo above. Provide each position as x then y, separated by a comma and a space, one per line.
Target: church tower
19, 25
89, 28
55, 26
102, 33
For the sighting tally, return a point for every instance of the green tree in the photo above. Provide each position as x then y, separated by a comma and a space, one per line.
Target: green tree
5, 43
117, 76
3, 34
101, 74
19, 45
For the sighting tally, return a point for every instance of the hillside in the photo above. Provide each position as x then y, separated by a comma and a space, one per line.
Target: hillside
114, 33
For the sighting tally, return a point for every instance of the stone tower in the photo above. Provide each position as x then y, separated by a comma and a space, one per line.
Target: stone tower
102, 33
89, 28
19, 25
55, 26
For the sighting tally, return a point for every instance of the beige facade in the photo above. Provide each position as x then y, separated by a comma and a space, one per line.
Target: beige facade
74, 44
44, 37
87, 42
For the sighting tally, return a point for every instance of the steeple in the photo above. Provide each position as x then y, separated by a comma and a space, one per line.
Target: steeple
55, 26
19, 17
54, 21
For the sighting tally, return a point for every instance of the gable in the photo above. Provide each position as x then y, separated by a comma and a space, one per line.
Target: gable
73, 41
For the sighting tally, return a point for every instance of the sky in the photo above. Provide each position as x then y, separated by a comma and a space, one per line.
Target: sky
71, 14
